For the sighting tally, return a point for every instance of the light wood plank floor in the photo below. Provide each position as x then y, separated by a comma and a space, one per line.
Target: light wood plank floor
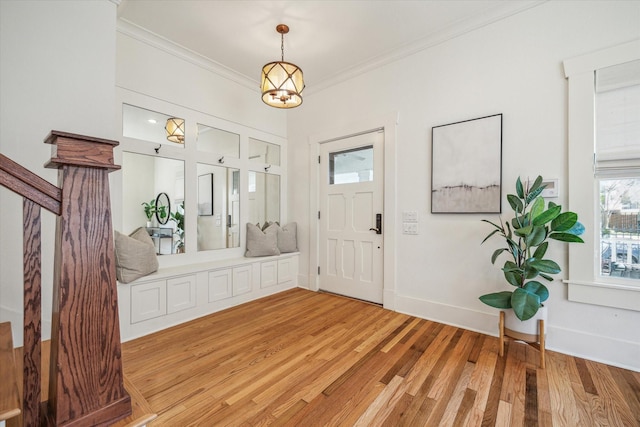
301, 358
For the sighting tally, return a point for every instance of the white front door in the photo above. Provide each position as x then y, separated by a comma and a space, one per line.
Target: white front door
351, 216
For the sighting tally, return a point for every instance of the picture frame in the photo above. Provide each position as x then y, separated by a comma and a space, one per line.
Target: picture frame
205, 194
466, 166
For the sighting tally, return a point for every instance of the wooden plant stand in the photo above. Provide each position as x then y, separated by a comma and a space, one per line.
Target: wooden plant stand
534, 340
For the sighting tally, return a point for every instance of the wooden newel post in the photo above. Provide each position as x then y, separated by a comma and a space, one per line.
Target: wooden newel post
86, 378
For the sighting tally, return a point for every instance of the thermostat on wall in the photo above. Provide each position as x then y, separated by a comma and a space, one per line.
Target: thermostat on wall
551, 189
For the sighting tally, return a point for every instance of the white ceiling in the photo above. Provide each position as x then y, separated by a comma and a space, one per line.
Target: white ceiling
330, 40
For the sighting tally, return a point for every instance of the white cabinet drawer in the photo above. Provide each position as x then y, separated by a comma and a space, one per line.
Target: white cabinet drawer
287, 269
148, 300
241, 280
181, 293
220, 284
268, 274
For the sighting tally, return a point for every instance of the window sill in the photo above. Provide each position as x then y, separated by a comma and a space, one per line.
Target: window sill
607, 294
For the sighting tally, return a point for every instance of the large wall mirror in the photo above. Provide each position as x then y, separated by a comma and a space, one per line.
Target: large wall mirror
221, 142
147, 179
218, 207
264, 197
264, 152
213, 159
147, 125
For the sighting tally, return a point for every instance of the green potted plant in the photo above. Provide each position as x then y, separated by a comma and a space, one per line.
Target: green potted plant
178, 218
151, 210
526, 238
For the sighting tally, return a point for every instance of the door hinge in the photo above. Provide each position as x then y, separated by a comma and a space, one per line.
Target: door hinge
318, 214
318, 270
318, 159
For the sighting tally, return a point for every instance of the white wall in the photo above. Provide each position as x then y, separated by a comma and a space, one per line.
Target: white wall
161, 73
57, 62
513, 67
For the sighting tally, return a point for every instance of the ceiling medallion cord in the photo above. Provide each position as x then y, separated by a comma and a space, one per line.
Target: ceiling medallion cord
282, 82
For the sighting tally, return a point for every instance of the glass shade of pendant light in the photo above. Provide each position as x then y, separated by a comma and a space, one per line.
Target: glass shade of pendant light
175, 130
282, 82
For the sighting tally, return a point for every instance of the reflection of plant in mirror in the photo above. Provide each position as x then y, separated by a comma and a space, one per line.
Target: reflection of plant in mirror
150, 209
178, 218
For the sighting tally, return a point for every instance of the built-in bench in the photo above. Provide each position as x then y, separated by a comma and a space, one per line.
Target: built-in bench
175, 295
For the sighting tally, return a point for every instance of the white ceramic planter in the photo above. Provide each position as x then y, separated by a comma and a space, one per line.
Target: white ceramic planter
526, 330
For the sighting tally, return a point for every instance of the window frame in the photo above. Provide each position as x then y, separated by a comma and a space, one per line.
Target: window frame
585, 284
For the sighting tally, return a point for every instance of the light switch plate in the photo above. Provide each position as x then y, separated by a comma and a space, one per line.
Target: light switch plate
410, 216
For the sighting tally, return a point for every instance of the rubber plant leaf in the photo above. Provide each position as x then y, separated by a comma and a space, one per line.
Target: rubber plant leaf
515, 202
535, 193
577, 229
538, 289
497, 253
548, 215
537, 184
490, 234
498, 299
566, 237
525, 304
537, 207
513, 277
541, 250
564, 221
537, 236
524, 231
545, 266
519, 188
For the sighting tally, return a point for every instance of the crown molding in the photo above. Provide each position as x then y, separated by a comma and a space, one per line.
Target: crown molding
145, 36
505, 10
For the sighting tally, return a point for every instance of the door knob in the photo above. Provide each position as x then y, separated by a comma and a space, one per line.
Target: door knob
378, 228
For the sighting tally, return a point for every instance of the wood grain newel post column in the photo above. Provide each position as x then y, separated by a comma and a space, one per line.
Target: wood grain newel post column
86, 378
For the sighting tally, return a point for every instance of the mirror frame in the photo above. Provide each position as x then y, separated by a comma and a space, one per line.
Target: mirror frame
167, 204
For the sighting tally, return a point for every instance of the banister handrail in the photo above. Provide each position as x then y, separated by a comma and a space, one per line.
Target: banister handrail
27, 184
86, 377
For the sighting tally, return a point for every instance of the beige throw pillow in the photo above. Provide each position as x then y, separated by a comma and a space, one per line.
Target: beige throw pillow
261, 243
135, 255
287, 238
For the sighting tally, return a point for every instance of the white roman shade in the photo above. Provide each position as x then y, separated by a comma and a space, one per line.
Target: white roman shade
617, 103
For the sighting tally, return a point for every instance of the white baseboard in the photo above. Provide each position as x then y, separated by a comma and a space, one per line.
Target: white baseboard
616, 352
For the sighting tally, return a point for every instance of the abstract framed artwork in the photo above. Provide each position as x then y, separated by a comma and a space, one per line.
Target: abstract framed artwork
466, 166
205, 194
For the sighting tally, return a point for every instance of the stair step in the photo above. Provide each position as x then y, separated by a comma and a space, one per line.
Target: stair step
9, 395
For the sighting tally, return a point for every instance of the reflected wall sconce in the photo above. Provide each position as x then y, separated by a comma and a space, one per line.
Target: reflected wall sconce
282, 82
175, 130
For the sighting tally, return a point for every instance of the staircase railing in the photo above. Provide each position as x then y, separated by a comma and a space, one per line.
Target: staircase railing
86, 377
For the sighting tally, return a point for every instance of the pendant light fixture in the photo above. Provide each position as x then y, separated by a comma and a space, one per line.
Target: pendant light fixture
175, 130
282, 82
